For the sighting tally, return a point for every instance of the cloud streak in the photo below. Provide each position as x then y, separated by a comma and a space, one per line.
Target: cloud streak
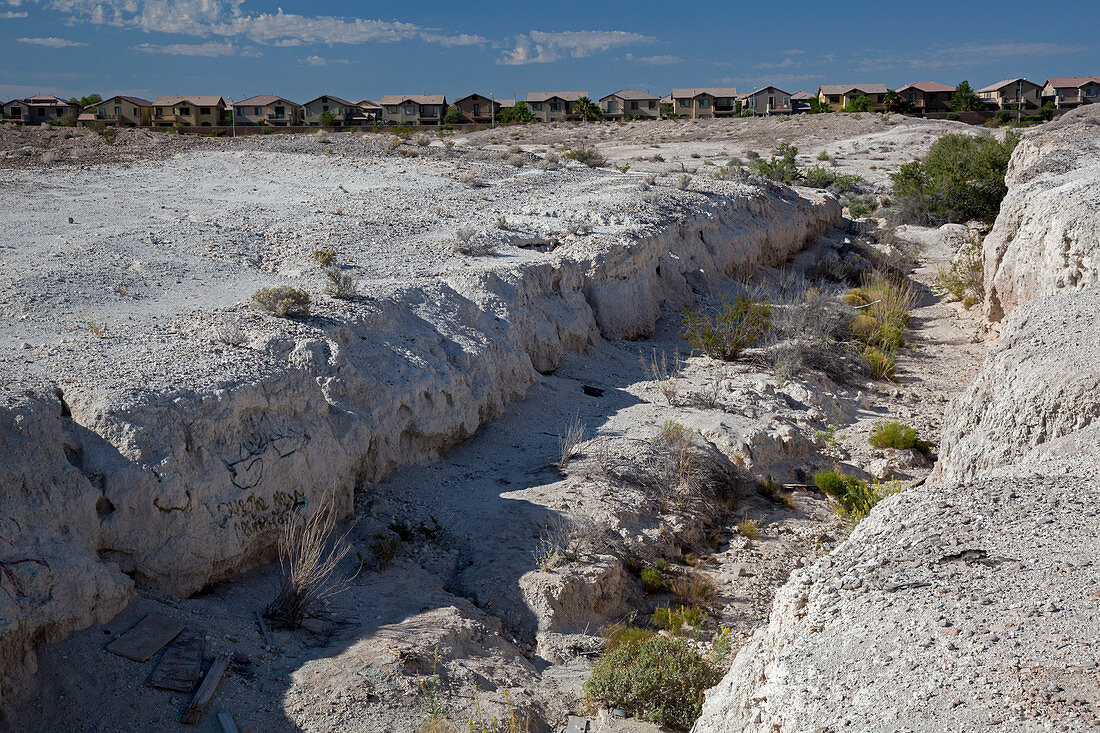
667, 60
319, 61
540, 47
210, 48
52, 42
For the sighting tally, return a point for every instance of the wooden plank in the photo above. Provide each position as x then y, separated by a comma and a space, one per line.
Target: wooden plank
228, 726
181, 666
201, 700
263, 628
147, 638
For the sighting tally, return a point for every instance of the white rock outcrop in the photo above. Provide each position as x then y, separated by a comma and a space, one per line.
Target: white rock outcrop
175, 472
970, 603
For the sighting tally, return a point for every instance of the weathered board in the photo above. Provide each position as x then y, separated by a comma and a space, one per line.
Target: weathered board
181, 666
202, 697
228, 726
147, 638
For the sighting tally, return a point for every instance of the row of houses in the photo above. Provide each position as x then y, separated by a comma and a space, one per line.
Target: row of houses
924, 97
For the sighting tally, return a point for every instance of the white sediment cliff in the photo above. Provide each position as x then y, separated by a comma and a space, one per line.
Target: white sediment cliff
167, 453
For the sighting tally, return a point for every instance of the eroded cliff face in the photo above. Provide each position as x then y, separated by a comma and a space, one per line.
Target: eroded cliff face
966, 604
1047, 235
121, 479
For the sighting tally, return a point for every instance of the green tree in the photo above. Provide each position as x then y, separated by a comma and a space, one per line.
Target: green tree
453, 116
587, 109
666, 111
781, 167
819, 107
894, 102
518, 114
965, 99
327, 119
859, 104
86, 100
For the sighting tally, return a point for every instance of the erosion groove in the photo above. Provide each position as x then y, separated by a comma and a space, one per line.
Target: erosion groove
179, 487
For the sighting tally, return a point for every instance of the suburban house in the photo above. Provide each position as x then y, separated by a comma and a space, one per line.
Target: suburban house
200, 111
838, 96
120, 110
704, 102
1009, 93
39, 109
413, 109
554, 106
767, 101
630, 103
800, 101
267, 109
478, 109
372, 111
927, 97
1072, 91
345, 113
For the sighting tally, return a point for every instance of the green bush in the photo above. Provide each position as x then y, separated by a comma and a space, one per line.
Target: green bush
327, 119
723, 334
898, 435
859, 104
963, 277
589, 156
882, 364
675, 620
855, 497
652, 580
453, 116
282, 301
822, 177
961, 178
781, 166
657, 679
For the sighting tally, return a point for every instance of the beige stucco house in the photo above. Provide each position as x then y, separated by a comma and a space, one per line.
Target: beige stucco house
767, 101
838, 96
197, 111
630, 103
414, 109
267, 109
1072, 91
120, 110
345, 112
1011, 93
704, 102
554, 106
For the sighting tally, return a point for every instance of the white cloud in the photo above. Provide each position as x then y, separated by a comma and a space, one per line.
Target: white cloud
539, 47
52, 42
13, 14
667, 60
226, 18
319, 61
967, 55
212, 48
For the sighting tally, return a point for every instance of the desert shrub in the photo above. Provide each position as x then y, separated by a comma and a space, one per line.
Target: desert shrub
898, 435
963, 277
723, 333
781, 166
341, 285
883, 364
961, 178
589, 156
325, 257
384, 547
619, 634
749, 528
809, 330
862, 498
827, 178
860, 206
549, 162
652, 580
823, 155
658, 679
674, 620
694, 588
467, 243
569, 442
308, 557
282, 301
683, 181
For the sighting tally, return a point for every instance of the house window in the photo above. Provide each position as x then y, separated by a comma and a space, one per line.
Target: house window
280, 112
555, 106
257, 111
135, 111
477, 110
159, 111
652, 104
684, 102
1090, 92
911, 98
391, 109
612, 107
185, 110
633, 105
536, 106
704, 102
410, 110
118, 111
834, 99
41, 112
204, 110
324, 108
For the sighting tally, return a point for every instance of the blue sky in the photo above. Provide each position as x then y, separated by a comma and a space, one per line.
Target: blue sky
358, 50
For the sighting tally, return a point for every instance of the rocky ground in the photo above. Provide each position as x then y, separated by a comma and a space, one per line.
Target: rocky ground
566, 319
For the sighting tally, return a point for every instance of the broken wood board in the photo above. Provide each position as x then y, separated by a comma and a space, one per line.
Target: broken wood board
202, 697
181, 666
147, 638
226, 720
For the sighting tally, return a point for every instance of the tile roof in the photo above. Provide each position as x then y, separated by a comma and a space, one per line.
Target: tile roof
132, 100
632, 95
1063, 82
414, 98
335, 100
845, 88
45, 100
507, 102
369, 104
544, 96
199, 101
801, 95
1000, 85
262, 100
763, 89
696, 91
928, 86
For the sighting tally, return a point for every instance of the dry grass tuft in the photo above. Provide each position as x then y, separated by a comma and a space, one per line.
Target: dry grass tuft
308, 557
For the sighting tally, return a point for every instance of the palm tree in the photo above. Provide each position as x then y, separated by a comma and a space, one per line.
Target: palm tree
965, 100
894, 102
587, 109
